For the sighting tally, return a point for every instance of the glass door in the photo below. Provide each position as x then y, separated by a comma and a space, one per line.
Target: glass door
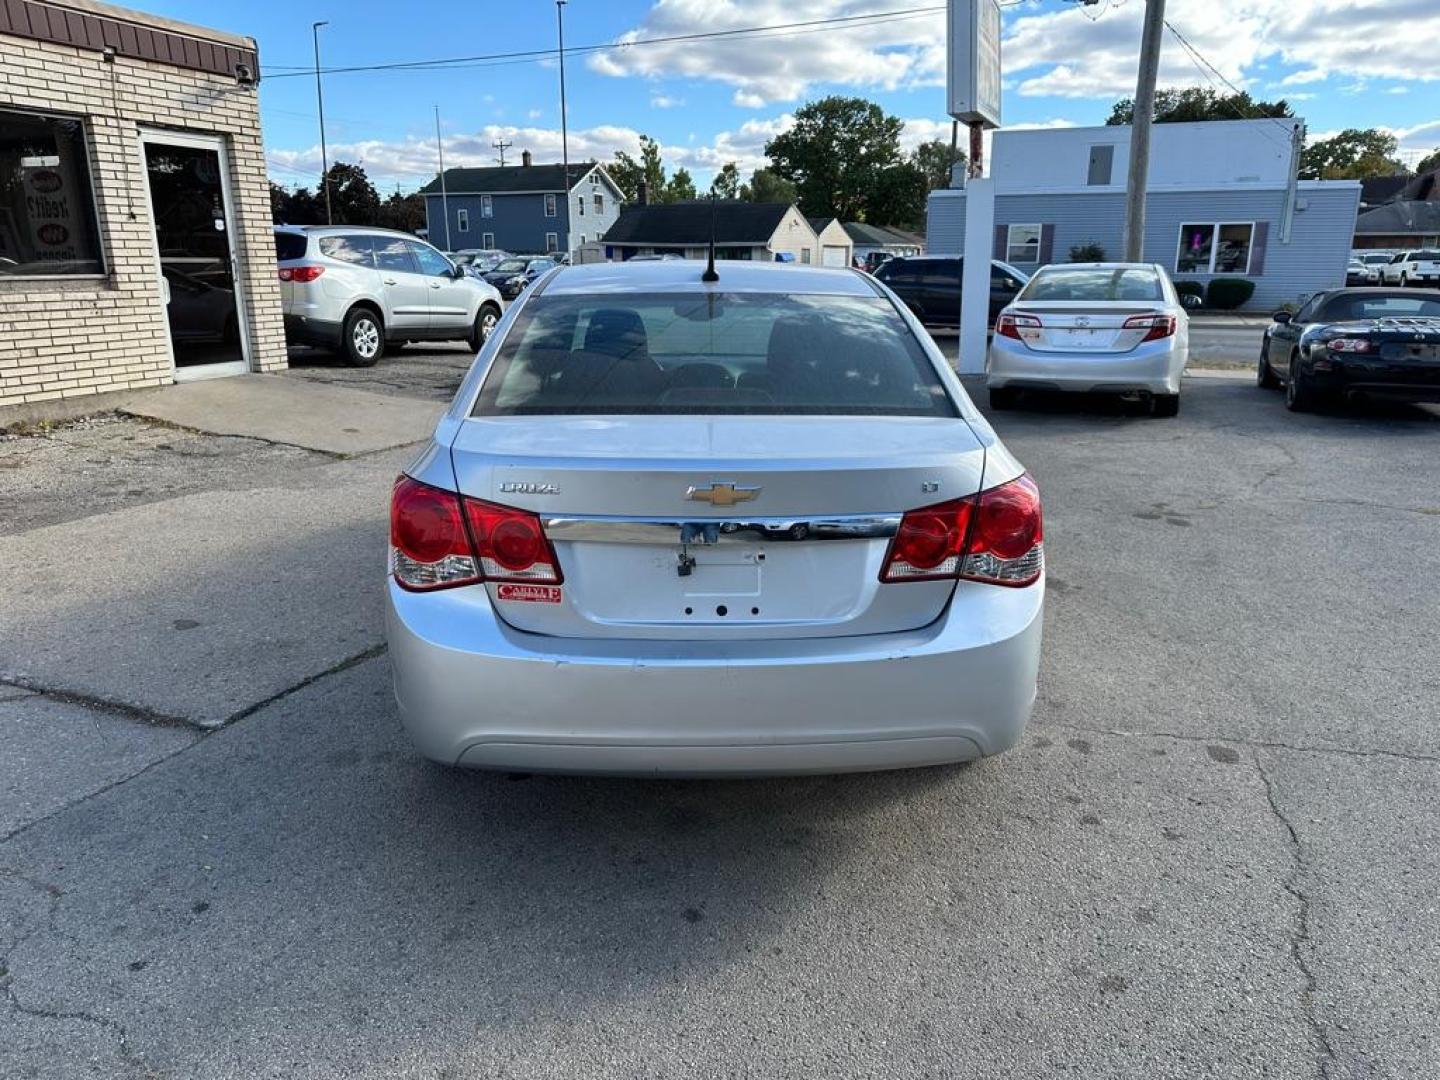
190, 209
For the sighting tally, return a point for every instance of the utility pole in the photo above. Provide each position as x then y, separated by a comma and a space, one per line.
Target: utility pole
564, 132
320, 103
1297, 147
1144, 116
444, 198
502, 146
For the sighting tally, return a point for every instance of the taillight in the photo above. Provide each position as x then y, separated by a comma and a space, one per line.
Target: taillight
439, 540
1155, 326
995, 537
1347, 344
300, 274
1010, 325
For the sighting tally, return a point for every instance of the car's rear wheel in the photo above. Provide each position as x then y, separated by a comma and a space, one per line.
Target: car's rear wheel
484, 323
1003, 397
1165, 405
363, 338
1264, 374
1299, 394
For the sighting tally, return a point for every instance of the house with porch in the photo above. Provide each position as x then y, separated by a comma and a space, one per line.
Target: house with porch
763, 232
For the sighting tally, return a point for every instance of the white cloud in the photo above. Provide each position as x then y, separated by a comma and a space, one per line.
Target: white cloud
782, 66
1308, 75
535, 114
665, 101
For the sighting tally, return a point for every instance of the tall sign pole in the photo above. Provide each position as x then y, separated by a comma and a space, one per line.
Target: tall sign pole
564, 129
973, 89
320, 104
444, 196
1144, 117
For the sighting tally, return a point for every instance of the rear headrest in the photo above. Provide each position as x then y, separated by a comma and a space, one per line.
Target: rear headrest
617, 332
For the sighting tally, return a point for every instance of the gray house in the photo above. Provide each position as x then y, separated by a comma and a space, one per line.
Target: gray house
525, 208
1221, 202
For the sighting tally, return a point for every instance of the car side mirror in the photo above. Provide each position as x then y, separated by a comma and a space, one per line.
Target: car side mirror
1281, 316
457, 272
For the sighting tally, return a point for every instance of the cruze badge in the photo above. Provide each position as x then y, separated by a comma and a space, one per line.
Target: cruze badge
527, 487
722, 494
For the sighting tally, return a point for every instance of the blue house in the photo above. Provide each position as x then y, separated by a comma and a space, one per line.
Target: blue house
525, 208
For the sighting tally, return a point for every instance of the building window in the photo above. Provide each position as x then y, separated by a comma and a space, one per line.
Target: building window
487, 206
1022, 245
582, 238
552, 241
599, 203
549, 205
47, 212
462, 220
805, 255
1215, 248
581, 202
487, 239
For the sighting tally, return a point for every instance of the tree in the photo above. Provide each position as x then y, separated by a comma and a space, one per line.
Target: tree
680, 188
934, 159
768, 186
353, 199
898, 197
1174, 105
1351, 155
626, 173
403, 212
1429, 162
726, 184
835, 154
298, 207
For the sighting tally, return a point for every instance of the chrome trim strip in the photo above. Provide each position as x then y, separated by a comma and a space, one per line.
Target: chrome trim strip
710, 531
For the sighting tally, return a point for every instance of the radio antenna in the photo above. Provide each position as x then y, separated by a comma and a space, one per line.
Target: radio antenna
710, 274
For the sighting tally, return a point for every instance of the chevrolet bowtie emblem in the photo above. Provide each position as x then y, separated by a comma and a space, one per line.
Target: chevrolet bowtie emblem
722, 494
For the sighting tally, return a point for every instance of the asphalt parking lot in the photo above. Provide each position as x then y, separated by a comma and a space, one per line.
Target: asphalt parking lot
1217, 852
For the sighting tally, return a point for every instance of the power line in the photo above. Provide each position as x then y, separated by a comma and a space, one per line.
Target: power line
532, 55
1198, 59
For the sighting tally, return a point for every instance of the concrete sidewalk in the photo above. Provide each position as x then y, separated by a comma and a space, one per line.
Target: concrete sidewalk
316, 416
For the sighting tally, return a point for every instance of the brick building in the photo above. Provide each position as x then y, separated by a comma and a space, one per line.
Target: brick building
135, 236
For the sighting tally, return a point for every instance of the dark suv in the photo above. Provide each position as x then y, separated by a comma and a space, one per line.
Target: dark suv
930, 286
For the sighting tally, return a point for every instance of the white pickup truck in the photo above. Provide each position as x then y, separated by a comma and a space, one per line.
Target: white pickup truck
1412, 268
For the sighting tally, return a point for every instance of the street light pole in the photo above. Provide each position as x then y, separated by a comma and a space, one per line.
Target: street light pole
320, 103
564, 130
1144, 115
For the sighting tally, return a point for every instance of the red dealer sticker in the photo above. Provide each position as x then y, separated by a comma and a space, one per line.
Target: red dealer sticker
530, 594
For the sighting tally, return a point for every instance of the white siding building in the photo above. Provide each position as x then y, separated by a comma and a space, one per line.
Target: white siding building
1218, 200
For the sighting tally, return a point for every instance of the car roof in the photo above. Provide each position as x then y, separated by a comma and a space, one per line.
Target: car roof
1099, 266
325, 230
670, 275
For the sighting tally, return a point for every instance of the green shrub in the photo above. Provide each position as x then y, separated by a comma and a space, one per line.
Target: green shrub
1228, 293
1087, 252
1190, 288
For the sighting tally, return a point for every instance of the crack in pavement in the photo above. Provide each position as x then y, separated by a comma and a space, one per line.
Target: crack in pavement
1255, 744
1300, 939
54, 894
132, 712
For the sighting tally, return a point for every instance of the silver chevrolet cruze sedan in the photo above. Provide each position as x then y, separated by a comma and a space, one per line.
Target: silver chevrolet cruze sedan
687, 527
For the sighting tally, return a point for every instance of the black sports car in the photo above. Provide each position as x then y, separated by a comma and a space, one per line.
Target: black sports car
1355, 341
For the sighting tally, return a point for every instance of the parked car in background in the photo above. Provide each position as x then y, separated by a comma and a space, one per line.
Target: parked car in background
1356, 271
663, 511
354, 289
514, 275
929, 285
478, 261
1416, 267
1114, 328
665, 256
1374, 265
1354, 341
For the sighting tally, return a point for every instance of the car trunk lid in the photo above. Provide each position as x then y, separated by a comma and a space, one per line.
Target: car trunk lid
1086, 327
718, 526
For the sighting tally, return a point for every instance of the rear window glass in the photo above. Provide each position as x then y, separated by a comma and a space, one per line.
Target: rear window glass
717, 353
1434, 255
1383, 306
1092, 284
289, 245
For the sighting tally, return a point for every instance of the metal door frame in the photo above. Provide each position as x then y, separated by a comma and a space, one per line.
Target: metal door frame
162, 137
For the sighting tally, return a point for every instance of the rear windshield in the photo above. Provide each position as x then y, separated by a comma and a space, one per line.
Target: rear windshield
717, 353
1397, 305
289, 245
1060, 283
1429, 255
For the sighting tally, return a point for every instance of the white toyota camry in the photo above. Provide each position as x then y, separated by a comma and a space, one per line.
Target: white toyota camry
682, 526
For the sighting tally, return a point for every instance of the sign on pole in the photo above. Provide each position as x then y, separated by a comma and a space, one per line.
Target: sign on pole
973, 67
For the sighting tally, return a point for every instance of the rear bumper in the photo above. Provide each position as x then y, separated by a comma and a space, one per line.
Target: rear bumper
304, 330
1151, 367
473, 691
1411, 382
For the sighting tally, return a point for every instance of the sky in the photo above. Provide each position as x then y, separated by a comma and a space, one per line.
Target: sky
1340, 63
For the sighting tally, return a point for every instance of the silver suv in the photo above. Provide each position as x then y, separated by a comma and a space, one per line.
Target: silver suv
353, 289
